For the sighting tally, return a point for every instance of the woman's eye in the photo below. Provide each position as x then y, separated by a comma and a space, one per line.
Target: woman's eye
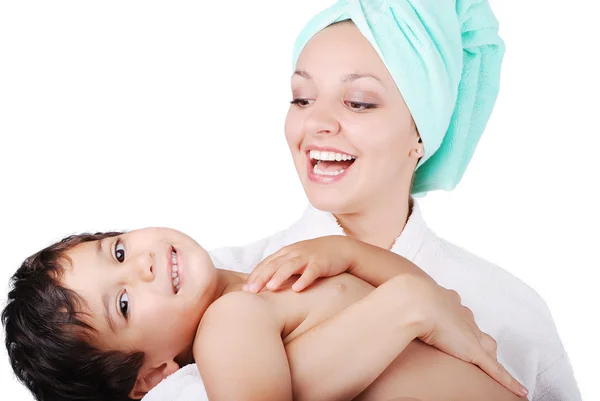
360, 106
301, 102
119, 251
124, 304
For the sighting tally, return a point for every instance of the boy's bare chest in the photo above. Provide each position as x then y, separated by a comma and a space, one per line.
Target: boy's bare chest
299, 312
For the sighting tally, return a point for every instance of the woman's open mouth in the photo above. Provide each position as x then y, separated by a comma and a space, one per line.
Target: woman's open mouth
328, 166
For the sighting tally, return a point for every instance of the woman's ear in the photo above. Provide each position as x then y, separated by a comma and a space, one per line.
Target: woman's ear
417, 151
149, 377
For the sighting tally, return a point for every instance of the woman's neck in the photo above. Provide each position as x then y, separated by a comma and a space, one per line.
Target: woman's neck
379, 226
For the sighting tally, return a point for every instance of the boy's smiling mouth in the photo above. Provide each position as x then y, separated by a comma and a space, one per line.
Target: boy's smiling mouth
174, 271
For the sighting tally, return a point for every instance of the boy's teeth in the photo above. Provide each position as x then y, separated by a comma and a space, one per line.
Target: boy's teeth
329, 156
331, 173
175, 278
175, 273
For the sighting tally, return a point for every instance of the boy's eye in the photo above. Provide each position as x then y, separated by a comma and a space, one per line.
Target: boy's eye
119, 251
124, 304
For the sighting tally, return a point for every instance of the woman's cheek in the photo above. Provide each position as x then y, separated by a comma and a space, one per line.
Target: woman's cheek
292, 129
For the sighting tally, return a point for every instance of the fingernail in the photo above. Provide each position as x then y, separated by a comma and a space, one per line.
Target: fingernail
524, 391
271, 285
245, 287
254, 287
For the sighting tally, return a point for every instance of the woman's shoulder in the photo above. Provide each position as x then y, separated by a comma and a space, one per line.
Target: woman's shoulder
451, 264
502, 303
312, 224
504, 306
242, 258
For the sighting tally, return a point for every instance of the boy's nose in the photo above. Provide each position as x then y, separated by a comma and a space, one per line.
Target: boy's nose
143, 266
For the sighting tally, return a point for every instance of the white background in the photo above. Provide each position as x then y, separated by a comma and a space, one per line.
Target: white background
119, 115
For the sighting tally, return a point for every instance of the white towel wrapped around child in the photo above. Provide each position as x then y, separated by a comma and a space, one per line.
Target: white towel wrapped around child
183, 385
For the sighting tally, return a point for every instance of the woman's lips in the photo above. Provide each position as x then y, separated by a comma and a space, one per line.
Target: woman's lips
328, 166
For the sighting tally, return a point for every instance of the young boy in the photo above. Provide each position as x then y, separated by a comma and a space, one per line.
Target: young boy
108, 316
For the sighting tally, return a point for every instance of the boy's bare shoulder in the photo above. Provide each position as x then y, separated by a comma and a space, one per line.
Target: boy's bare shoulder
232, 315
240, 338
234, 305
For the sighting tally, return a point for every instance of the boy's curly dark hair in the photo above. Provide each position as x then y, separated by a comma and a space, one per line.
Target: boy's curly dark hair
48, 341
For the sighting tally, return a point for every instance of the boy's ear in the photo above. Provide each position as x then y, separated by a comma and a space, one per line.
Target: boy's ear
149, 377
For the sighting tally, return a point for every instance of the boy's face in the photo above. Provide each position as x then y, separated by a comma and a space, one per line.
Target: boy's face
145, 291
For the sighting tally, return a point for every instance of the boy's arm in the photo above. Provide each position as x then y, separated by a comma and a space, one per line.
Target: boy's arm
239, 351
327, 257
388, 264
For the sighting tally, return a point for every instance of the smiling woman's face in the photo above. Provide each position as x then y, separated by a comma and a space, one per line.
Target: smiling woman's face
144, 291
350, 132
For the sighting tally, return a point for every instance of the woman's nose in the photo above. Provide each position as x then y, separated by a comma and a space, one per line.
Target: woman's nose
321, 119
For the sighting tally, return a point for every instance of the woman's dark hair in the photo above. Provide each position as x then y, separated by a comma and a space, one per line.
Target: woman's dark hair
48, 340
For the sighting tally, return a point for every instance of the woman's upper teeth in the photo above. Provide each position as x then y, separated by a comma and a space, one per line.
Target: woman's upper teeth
175, 273
329, 156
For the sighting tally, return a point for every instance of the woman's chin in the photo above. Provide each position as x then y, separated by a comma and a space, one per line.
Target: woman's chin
328, 202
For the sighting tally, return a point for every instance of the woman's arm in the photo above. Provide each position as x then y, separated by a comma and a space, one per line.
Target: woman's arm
239, 351
443, 321
355, 346
352, 348
425, 373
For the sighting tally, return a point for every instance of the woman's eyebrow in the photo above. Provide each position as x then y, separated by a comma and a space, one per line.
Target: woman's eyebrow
348, 78
302, 73
354, 77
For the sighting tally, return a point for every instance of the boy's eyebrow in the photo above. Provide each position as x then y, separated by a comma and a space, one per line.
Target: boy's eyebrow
107, 314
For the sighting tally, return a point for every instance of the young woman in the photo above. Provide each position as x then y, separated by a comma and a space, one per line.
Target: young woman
391, 104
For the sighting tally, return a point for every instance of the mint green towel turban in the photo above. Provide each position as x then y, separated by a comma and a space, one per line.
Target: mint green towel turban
445, 56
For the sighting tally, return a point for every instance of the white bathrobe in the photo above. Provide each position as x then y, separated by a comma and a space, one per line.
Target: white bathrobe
504, 307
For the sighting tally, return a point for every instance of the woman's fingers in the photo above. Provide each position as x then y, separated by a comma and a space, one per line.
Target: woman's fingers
310, 274
496, 371
286, 270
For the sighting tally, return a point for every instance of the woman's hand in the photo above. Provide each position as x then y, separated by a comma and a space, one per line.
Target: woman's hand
319, 257
444, 323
